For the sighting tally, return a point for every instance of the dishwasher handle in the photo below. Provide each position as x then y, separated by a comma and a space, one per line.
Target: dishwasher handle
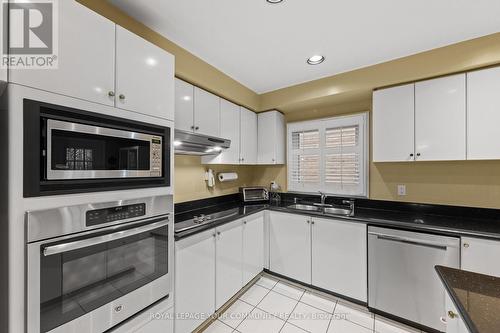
408, 240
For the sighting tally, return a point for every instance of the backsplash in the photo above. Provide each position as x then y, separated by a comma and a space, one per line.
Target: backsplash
190, 174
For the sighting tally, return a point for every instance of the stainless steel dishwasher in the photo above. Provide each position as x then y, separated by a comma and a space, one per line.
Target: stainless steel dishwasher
401, 278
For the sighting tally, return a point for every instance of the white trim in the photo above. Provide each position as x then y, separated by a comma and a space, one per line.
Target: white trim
321, 124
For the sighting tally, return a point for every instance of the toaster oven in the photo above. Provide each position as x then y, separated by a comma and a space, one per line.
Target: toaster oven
254, 194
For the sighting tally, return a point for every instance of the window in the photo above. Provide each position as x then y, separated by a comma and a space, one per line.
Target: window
329, 155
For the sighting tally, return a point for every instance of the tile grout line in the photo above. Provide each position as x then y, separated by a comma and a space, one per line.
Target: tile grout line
254, 306
333, 314
286, 321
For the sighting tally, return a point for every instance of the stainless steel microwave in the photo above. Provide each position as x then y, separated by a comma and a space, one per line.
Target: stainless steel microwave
69, 150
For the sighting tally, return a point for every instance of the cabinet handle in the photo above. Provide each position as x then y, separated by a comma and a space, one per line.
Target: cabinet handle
197, 128
452, 314
192, 127
466, 245
244, 222
218, 233
312, 222
418, 154
213, 235
111, 93
411, 155
308, 221
122, 97
118, 308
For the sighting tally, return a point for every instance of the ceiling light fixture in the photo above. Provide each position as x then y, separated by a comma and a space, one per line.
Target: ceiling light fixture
315, 60
274, 1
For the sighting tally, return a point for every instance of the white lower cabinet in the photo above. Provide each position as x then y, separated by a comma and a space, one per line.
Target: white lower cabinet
290, 246
253, 247
228, 262
454, 322
480, 255
339, 257
194, 280
210, 268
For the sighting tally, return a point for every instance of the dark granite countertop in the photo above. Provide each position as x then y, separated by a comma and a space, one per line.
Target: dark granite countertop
476, 297
411, 219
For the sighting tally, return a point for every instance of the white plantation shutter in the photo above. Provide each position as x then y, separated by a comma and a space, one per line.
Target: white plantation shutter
305, 158
328, 155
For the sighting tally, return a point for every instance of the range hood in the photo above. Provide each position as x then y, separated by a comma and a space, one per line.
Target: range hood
188, 143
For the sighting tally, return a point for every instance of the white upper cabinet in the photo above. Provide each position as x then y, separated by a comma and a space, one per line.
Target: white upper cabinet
253, 247
271, 138
248, 137
483, 114
184, 105
86, 57
440, 114
339, 257
229, 129
206, 113
228, 262
480, 256
144, 76
393, 124
290, 246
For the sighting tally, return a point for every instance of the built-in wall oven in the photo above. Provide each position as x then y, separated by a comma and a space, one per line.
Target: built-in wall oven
90, 267
71, 151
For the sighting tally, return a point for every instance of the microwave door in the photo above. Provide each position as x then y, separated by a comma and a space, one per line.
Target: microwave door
78, 151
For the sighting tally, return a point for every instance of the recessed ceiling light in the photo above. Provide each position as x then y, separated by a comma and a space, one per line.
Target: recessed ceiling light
274, 1
315, 60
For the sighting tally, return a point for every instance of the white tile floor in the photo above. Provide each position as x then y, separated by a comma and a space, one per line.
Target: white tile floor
272, 306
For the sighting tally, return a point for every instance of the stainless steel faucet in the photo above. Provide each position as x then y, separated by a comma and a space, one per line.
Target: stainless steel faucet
349, 202
323, 197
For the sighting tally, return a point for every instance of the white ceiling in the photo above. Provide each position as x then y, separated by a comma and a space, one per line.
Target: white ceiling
265, 46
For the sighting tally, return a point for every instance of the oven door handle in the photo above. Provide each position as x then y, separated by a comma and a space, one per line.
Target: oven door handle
60, 248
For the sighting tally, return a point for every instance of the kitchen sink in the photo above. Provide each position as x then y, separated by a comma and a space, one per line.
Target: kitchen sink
337, 211
309, 208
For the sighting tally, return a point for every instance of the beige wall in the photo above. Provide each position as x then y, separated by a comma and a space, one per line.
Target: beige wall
459, 183
190, 174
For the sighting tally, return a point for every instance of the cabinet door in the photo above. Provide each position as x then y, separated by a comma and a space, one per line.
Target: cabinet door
339, 257
184, 106
228, 262
394, 124
206, 113
144, 76
248, 143
290, 246
229, 129
194, 280
253, 247
481, 256
271, 138
440, 119
483, 114
86, 57
454, 322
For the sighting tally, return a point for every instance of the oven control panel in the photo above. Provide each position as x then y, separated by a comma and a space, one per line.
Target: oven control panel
106, 215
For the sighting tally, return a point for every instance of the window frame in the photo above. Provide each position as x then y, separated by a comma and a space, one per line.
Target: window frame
361, 119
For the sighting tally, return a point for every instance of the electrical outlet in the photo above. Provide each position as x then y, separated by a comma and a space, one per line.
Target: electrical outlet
401, 190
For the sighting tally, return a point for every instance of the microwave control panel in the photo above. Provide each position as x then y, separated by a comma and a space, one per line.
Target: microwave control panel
156, 157
106, 215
